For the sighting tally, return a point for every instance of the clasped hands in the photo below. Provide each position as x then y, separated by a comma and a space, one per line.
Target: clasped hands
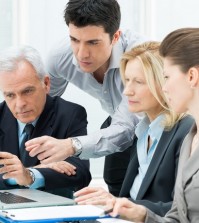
12, 167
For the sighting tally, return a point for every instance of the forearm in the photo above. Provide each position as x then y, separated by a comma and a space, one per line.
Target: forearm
54, 180
115, 138
159, 208
105, 142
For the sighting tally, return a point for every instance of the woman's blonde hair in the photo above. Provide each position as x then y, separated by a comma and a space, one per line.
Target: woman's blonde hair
152, 64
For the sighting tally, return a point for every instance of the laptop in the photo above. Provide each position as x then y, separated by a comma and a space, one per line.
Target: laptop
29, 198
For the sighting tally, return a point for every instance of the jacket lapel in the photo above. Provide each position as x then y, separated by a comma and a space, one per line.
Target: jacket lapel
9, 133
131, 173
9, 129
43, 127
190, 163
156, 160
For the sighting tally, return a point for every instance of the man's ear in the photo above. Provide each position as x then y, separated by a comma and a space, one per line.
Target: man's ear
47, 83
193, 77
116, 37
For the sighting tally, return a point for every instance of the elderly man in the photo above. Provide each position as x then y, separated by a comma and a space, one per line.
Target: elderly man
27, 112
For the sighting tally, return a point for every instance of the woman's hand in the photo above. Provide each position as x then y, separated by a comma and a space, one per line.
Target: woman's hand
92, 195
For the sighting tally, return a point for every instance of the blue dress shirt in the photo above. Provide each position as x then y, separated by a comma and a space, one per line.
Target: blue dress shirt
143, 131
39, 179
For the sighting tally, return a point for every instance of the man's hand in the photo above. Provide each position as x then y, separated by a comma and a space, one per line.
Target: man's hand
93, 195
61, 167
49, 150
13, 168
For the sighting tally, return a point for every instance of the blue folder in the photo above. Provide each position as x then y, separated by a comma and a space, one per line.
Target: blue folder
54, 214
74, 220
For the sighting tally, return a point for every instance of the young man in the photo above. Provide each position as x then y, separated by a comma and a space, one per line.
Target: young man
90, 60
25, 87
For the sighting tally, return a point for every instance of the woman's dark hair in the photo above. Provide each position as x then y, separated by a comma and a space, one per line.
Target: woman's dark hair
182, 48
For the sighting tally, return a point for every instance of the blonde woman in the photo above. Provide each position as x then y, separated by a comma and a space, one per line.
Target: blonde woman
151, 173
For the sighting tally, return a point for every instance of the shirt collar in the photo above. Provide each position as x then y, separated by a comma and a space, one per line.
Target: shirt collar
154, 129
116, 54
157, 127
75, 62
21, 125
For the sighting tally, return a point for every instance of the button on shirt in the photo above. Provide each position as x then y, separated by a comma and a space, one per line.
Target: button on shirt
63, 68
143, 130
39, 179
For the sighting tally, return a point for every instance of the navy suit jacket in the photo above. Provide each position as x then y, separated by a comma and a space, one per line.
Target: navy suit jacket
59, 119
156, 191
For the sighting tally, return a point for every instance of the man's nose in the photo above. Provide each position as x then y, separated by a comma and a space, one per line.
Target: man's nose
20, 102
83, 52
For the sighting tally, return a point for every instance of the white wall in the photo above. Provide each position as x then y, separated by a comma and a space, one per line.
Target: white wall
160, 17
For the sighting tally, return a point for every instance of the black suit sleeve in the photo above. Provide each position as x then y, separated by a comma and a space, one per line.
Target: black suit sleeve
78, 123
57, 180
77, 126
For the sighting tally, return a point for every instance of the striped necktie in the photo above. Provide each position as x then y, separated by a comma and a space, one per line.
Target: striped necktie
28, 129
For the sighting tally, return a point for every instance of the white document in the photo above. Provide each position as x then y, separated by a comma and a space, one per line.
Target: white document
53, 212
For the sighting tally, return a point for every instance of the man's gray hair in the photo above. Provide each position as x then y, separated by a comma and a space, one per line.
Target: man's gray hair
12, 56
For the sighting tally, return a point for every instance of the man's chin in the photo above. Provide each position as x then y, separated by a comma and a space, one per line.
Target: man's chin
87, 70
25, 120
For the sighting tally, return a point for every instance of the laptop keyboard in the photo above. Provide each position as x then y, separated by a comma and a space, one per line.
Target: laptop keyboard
9, 198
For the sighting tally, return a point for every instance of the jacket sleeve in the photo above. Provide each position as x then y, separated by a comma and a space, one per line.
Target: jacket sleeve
57, 180
160, 208
171, 217
77, 126
115, 138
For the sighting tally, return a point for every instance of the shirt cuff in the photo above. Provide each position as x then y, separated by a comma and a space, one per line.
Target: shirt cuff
39, 179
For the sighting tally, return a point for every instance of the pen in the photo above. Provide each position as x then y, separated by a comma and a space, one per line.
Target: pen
106, 212
6, 214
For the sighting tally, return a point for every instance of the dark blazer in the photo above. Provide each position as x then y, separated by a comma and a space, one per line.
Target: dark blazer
59, 119
156, 191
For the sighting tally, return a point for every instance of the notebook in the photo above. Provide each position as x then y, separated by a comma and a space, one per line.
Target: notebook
27, 198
